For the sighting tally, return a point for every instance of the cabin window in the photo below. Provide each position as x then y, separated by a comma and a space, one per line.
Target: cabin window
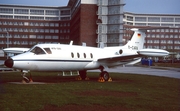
72, 54
78, 55
91, 55
37, 51
84, 55
48, 50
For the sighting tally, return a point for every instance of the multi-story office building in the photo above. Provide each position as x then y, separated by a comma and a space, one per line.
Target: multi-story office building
24, 26
83, 21
110, 22
164, 20
90, 21
97, 21
166, 33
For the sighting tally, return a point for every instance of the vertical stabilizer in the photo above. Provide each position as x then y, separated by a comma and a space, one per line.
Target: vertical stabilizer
137, 40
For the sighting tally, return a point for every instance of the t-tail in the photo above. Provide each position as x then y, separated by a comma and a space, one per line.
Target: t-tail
137, 43
137, 40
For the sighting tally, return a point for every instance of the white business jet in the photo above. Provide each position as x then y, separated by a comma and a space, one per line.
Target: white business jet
61, 57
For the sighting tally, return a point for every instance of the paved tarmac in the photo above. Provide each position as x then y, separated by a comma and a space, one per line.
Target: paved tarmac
156, 71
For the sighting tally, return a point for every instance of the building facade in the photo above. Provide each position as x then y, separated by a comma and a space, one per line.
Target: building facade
166, 33
97, 21
89, 21
83, 21
110, 22
25, 26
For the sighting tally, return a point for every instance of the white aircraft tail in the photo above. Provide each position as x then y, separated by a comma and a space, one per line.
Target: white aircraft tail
137, 40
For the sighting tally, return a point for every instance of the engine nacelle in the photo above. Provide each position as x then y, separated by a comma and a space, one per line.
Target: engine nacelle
119, 52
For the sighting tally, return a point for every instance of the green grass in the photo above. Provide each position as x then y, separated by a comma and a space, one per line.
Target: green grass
126, 92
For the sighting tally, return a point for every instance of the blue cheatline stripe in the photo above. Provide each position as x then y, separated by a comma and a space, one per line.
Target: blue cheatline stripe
47, 60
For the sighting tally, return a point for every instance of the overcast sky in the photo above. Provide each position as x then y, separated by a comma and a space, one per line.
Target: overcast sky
136, 6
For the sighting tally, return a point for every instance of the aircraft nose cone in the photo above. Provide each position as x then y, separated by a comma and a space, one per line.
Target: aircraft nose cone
9, 63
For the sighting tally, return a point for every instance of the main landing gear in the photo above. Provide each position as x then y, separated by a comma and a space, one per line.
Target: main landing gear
83, 74
103, 75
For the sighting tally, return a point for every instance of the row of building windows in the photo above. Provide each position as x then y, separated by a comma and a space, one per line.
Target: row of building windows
159, 37
65, 12
161, 33
114, 2
155, 19
15, 42
33, 17
6, 10
154, 24
62, 37
162, 36
166, 30
29, 23
163, 47
47, 24
4, 30
34, 11
30, 36
164, 41
6, 16
25, 42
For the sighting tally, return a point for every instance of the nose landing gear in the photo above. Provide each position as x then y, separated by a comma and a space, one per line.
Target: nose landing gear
26, 79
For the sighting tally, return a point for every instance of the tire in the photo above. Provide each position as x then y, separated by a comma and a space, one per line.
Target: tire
105, 75
83, 74
25, 79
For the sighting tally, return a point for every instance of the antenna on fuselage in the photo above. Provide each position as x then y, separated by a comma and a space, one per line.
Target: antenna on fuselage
83, 44
71, 42
101, 45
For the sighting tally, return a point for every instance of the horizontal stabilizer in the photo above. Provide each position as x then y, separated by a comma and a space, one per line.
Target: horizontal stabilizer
15, 50
153, 52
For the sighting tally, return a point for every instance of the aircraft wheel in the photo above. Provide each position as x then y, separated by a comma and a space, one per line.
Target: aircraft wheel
83, 74
25, 79
105, 75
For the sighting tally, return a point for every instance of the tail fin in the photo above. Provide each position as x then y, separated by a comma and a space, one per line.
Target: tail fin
137, 40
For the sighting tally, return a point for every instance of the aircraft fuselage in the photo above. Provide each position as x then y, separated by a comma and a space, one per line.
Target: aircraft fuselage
61, 58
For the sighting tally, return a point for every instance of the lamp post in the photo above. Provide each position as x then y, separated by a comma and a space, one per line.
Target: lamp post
7, 42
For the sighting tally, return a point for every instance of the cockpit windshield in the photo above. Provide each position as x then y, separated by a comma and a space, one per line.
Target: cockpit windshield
48, 50
37, 51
